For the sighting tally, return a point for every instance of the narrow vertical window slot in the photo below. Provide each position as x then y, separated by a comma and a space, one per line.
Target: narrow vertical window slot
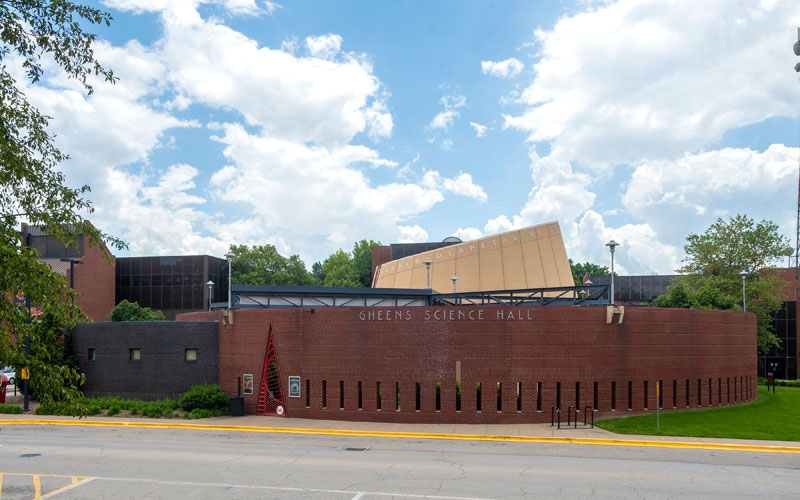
674, 393
308, 393
687, 393
499, 397
378, 397
324, 394
360, 399
558, 394
519, 397
341, 394
397, 399
699, 393
577, 396
418, 396
594, 399
538, 396
478, 397
710, 393
438, 396
660, 391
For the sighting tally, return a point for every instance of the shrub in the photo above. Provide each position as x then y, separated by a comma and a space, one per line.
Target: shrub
10, 408
207, 397
153, 411
112, 411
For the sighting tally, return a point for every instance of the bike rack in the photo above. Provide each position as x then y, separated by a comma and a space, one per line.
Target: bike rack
570, 411
553, 411
587, 410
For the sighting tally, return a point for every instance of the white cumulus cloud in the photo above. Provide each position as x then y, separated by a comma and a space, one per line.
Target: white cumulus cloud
503, 69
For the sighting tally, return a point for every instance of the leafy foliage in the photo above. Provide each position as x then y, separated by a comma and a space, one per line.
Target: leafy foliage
10, 409
579, 271
263, 265
131, 311
206, 397
706, 297
54, 378
339, 270
714, 261
362, 261
34, 190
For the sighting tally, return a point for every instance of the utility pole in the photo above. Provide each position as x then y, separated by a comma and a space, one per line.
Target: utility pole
796, 48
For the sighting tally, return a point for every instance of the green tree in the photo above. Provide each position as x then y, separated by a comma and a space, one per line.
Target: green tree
362, 261
714, 261
33, 189
54, 378
579, 271
318, 273
339, 270
263, 265
131, 311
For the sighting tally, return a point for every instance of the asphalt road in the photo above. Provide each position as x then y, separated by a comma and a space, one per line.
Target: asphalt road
122, 463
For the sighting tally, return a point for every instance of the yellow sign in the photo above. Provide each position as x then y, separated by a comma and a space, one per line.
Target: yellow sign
25, 374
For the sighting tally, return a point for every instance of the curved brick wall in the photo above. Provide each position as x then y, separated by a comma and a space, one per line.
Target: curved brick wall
702, 357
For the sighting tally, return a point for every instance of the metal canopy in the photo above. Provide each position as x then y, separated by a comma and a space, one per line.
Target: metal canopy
250, 296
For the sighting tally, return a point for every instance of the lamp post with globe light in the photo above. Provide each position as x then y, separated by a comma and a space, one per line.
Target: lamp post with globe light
229, 256
611, 246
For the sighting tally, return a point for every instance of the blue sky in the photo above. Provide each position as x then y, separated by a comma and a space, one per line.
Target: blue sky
311, 125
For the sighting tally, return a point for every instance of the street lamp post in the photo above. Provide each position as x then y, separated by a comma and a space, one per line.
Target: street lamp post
229, 256
210, 286
454, 278
611, 246
428, 263
743, 274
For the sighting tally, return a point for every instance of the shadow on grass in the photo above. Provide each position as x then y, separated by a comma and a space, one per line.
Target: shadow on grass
772, 417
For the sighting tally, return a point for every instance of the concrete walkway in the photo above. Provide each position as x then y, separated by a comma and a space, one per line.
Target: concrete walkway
516, 433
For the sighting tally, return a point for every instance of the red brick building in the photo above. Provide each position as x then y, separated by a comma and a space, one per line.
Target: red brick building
512, 364
93, 273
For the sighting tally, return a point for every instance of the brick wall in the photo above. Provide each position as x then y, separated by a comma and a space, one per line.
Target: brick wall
538, 349
162, 370
95, 283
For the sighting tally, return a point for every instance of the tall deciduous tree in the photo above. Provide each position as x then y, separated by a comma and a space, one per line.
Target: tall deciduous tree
714, 261
339, 270
263, 265
362, 261
579, 271
32, 188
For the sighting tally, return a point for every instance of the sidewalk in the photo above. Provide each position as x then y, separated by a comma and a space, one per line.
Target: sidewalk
481, 432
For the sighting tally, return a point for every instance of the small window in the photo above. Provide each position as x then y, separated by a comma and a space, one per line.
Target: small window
136, 354
91, 354
191, 354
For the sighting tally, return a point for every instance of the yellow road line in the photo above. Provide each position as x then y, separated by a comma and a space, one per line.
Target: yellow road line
1, 485
37, 487
422, 435
75, 482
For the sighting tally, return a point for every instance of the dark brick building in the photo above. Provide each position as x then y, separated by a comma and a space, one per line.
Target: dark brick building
145, 360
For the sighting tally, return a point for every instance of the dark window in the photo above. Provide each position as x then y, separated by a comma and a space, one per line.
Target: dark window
191, 355
135, 354
91, 354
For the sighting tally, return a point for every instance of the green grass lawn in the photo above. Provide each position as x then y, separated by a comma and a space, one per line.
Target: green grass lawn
771, 417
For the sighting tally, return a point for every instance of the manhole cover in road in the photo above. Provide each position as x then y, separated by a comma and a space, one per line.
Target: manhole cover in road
31, 455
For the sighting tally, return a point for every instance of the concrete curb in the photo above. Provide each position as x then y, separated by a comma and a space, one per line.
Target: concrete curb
422, 435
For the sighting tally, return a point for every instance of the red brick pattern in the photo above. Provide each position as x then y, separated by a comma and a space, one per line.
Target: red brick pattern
713, 353
94, 282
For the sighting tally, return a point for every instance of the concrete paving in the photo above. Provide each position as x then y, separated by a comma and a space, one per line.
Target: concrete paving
498, 432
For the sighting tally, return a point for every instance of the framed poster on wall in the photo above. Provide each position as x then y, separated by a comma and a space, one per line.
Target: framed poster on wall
247, 383
294, 387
